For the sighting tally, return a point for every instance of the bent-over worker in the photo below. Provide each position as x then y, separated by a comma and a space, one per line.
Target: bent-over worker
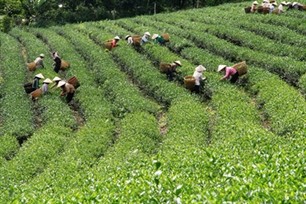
57, 62
39, 61
172, 69
254, 6
198, 75
229, 73
158, 39
115, 41
37, 77
67, 89
145, 38
44, 87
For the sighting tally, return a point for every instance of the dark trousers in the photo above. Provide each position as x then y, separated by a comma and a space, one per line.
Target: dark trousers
69, 97
197, 89
234, 78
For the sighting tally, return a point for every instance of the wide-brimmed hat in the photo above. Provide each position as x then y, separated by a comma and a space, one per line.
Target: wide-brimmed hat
127, 36
39, 76
200, 68
154, 36
274, 4
56, 79
147, 33
265, 1
47, 80
61, 83
42, 55
255, 2
221, 67
178, 62
294, 3
284, 3
117, 38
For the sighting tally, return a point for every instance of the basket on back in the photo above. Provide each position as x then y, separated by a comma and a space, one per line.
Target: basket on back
164, 67
108, 45
241, 67
64, 65
74, 82
136, 40
31, 66
166, 37
28, 87
35, 94
247, 9
189, 82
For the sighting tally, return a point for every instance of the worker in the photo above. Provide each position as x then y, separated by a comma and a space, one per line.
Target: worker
45, 85
229, 73
56, 80
129, 39
37, 77
158, 39
67, 90
265, 4
297, 6
198, 75
281, 7
254, 6
172, 69
115, 41
57, 62
39, 61
272, 7
145, 38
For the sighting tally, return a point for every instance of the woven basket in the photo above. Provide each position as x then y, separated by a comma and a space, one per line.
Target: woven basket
107, 45
64, 65
136, 40
31, 66
189, 82
241, 68
247, 9
74, 82
28, 87
166, 37
164, 67
35, 94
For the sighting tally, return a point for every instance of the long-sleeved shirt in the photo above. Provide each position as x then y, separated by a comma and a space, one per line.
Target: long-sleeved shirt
198, 77
39, 61
114, 43
130, 40
44, 88
144, 39
35, 84
229, 71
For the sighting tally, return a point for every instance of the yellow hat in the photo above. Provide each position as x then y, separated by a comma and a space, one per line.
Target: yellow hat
56, 79
39, 76
178, 62
61, 83
200, 68
154, 36
221, 67
47, 80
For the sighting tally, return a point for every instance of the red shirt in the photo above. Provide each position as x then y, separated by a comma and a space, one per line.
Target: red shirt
229, 71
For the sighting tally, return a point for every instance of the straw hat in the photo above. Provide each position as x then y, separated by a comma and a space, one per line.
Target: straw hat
221, 67
56, 79
127, 36
154, 36
61, 83
147, 33
178, 62
284, 3
289, 3
294, 3
39, 76
47, 80
274, 4
42, 55
255, 2
117, 38
265, 1
200, 68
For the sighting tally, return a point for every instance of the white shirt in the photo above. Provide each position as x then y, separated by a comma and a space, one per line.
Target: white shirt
130, 40
38, 61
198, 77
44, 88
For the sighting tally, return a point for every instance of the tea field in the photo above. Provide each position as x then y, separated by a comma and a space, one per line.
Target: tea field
132, 136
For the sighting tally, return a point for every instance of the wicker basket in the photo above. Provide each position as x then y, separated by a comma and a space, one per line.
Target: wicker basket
189, 82
136, 40
35, 94
31, 66
64, 65
74, 82
164, 67
241, 68
247, 9
108, 45
28, 87
166, 37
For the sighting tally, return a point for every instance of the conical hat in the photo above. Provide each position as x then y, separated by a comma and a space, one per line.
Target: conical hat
221, 67
47, 80
56, 79
178, 62
200, 68
39, 76
61, 83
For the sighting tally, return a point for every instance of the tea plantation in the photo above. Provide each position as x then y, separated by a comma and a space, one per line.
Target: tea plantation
132, 136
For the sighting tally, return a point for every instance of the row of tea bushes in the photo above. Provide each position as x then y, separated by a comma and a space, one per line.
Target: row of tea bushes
16, 114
